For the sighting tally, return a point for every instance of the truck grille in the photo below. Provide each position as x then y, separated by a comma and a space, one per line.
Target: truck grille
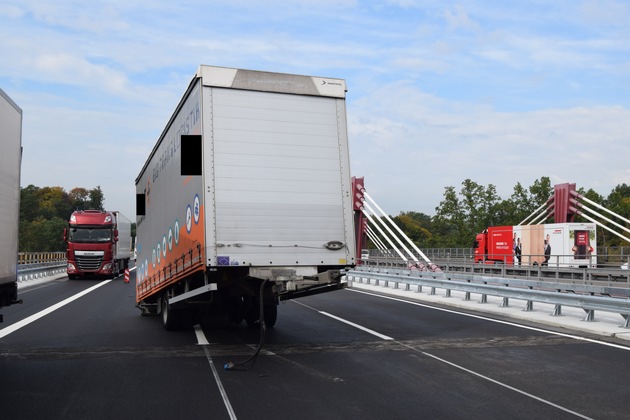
89, 262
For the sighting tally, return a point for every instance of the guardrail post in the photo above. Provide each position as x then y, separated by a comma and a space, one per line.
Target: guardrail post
626, 319
484, 299
419, 288
447, 293
557, 310
590, 315
529, 306
467, 296
505, 303
432, 291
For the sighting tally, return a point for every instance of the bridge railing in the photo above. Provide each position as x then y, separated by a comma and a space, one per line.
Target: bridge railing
29, 258
585, 296
606, 256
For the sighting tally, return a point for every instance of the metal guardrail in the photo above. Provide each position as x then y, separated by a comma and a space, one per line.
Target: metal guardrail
613, 275
40, 271
35, 265
587, 297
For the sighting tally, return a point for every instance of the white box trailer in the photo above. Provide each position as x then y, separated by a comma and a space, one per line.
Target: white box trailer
247, 193
122, 253
559, 244
10, 164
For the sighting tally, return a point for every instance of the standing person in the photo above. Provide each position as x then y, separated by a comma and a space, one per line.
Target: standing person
518, 250
514, 242
547, 250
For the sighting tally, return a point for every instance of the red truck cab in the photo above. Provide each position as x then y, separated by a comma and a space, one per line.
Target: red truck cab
91, 237
495, 245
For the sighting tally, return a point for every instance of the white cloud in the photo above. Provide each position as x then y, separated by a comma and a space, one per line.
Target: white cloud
434, 144
438, 92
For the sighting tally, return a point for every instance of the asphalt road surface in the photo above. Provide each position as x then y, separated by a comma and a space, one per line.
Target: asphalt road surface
81, 350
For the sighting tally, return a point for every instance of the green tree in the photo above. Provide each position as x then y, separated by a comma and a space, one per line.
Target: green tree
618, 201
44, 212
460, 217
518, 206
449, 219
29, 203
416, 226
96, 198
540, 192
54, 202
79, 198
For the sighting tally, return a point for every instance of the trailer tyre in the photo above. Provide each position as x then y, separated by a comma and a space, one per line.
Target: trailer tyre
170, 316
271, 315
252, 316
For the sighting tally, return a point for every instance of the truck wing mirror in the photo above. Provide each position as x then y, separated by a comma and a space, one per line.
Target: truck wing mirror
115, 234
65, 234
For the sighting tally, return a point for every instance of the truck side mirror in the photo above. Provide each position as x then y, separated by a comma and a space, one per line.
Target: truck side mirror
65, 234
116, 234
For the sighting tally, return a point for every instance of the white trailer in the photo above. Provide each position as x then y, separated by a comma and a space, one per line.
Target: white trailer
122, 252
10, 164
559, 244
246, 197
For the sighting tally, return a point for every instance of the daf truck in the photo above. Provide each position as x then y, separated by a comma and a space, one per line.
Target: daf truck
10, 164
98, 244
245, 200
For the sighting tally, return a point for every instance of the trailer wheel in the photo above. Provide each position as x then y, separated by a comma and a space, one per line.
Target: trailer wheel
170, 317
236, 310
252, 315
271, 314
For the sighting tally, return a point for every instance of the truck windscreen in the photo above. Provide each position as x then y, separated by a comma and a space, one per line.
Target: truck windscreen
90, 235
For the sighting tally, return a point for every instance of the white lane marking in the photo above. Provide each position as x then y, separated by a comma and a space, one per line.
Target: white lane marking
201, 337
479, 375
362, 328
14, 327
494, 381
498, 321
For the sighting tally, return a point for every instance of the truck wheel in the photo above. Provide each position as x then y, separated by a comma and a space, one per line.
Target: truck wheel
271, 315
252, 316
170, 317
235, 310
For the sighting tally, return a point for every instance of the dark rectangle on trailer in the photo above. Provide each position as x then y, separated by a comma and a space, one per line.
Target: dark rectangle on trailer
191, 153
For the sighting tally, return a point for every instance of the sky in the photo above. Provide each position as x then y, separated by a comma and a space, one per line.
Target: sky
438, 91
